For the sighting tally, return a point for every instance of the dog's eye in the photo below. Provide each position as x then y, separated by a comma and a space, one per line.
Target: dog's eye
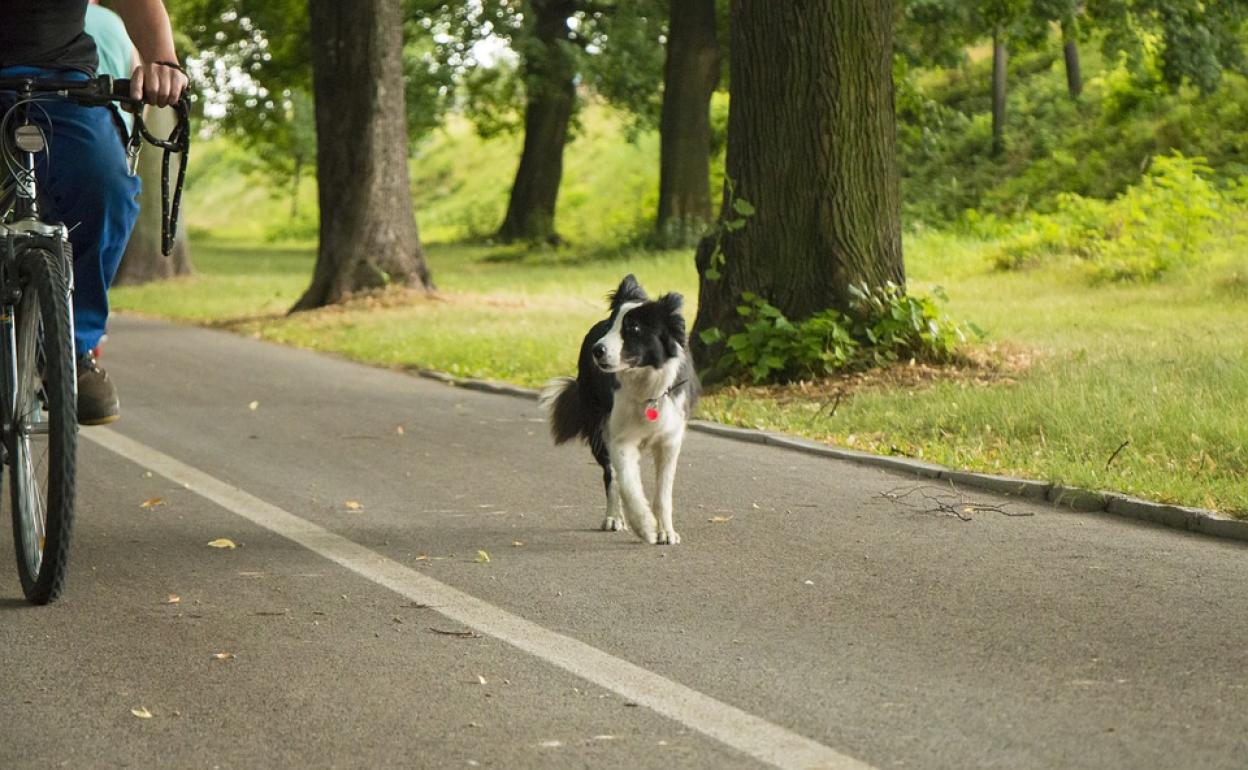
632, 327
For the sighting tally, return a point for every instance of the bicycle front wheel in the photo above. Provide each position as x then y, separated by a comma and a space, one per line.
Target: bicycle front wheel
42, 437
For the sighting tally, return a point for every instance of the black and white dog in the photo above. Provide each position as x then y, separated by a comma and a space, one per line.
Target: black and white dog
634, 391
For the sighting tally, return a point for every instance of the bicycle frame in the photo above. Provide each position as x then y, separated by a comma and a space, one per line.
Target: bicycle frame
22, 230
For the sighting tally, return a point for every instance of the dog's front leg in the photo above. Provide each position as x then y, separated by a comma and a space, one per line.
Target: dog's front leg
665, 456
626, 464
614, 521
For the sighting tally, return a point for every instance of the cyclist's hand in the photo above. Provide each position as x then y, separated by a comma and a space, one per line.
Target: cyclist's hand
158, 84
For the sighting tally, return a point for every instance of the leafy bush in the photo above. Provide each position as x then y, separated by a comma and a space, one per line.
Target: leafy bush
883, 325
1160, 224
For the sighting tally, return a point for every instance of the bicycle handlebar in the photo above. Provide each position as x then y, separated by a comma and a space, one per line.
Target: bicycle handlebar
103, 90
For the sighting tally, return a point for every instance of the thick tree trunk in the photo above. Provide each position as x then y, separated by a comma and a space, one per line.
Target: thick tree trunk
143, 261
1070, 47
690, 74
1000, 57
549, 70
368, 231
812, 149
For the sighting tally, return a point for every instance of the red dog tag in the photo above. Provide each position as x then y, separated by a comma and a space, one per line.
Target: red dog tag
652, 414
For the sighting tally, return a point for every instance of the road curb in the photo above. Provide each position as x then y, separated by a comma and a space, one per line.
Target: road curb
1079, 500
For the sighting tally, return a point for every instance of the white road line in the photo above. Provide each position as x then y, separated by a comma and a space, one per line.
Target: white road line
729, 725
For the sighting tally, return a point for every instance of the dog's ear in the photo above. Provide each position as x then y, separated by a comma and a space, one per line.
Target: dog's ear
628, 291
673, 322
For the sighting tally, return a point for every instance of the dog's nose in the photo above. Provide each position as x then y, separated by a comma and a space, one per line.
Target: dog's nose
600, 350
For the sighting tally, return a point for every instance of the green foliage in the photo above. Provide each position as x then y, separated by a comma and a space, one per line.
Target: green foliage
1161, 224
1095, 147
883, 325
1193, 42
733, 218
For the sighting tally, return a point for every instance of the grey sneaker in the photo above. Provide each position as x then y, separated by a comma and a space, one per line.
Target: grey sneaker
97, 396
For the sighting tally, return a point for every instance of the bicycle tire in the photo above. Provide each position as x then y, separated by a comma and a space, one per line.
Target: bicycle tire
41, 444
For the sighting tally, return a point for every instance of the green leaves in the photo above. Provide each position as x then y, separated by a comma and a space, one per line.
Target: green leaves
884, 325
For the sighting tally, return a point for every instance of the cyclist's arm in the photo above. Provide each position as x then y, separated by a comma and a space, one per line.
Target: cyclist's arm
147, 23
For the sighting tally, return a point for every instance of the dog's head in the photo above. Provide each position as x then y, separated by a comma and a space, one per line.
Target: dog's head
643, 332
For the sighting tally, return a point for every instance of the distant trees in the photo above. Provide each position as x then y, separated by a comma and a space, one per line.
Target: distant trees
1198, 40
548, 67
690, 75
811, 162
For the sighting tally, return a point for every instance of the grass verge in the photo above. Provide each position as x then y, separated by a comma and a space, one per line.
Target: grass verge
1086, 369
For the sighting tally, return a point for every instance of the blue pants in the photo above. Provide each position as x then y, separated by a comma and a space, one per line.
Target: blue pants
84, 182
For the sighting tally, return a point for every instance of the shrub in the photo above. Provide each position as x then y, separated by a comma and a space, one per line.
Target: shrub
1155, 226
883, 325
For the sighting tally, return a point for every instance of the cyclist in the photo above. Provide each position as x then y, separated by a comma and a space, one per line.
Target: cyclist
83, 177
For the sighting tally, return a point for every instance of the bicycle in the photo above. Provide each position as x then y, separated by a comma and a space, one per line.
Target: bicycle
38, 369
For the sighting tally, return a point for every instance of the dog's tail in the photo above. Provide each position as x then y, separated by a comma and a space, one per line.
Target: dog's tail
561, 400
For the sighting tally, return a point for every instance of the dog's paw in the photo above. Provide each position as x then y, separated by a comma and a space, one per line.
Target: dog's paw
668, 537
650, 537
613, 524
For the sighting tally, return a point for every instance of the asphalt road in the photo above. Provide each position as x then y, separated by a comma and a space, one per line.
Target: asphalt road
814, 623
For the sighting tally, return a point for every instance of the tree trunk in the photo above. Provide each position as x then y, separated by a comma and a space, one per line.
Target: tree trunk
812, 149
1000, 57
143, 261
368, 236
690, 74
549, 71
1070, 47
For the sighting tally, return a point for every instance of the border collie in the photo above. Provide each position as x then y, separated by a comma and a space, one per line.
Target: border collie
634, 391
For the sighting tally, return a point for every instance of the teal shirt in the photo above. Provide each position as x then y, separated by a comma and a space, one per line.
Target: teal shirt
113, 45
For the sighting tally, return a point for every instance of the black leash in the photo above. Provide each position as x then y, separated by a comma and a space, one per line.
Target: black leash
179, 142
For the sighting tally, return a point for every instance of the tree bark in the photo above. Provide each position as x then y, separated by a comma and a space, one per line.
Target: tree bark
812, 149
690, 74
368, 235
1070, 48
550, 94
1000, 57
143, 262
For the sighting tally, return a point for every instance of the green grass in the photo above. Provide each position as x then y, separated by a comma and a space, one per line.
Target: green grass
1160, 366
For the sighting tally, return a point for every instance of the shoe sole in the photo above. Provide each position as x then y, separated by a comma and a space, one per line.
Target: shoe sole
109, 420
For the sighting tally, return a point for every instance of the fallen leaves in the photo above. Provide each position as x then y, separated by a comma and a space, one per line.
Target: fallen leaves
254, 405
517, 543
354, 505
223, 656
482, 558
142, 713
173, 599
222, 542
152, 503
720, 519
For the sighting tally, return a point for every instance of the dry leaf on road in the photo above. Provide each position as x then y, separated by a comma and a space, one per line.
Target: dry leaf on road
254, 405
222, 542
720, 519
482, 557
173, 599
223, 656
353, 505
141, 713
152, 502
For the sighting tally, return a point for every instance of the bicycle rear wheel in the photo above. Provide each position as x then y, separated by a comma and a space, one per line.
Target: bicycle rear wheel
42, 439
